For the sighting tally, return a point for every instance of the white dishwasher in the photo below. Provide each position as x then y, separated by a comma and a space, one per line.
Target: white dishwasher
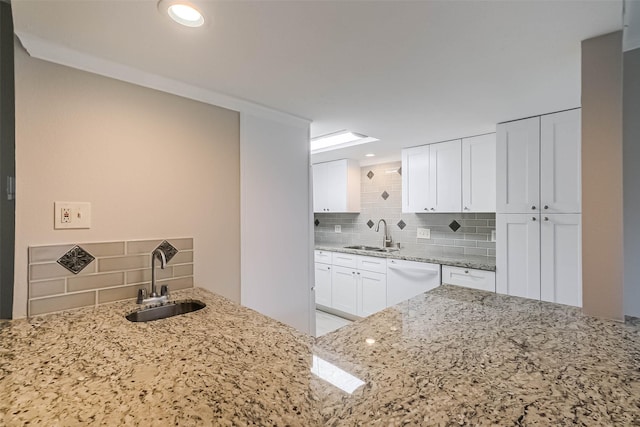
406, 279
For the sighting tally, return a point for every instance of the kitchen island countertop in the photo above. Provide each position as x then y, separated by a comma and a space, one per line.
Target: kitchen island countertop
451, 356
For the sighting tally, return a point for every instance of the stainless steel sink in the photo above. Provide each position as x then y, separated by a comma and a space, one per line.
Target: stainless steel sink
371, 248
364, 248
165, 310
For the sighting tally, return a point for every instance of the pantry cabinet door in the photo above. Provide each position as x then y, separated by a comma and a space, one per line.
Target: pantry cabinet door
479, 173
445, 172
518, 255
560, 163
561, 259
518, 166
415, 179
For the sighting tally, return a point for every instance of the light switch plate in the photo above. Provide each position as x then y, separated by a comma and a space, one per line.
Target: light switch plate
338, 228
424, 233
69, 215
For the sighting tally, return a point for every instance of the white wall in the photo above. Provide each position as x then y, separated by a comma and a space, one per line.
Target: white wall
276, 241
153, 165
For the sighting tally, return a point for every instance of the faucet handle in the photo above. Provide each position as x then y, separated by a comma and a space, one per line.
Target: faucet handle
142, 295
164, 290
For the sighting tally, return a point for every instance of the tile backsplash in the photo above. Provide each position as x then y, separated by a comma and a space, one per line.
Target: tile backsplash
381, 198
117, 272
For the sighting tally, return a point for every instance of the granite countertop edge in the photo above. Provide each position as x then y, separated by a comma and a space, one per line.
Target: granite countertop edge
477, 262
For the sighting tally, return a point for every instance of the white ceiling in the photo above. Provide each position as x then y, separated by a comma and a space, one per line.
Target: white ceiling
407, 73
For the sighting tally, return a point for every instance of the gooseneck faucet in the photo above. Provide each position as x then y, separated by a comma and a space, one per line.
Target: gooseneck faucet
386, 239
158, 253
154, 297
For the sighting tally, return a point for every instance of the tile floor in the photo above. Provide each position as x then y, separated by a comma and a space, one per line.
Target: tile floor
326, 323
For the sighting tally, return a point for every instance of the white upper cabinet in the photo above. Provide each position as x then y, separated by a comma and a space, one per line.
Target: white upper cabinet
479, 173
336, 186
560, 160
538, 164
445, 186
518, 166
415, 179
431, 178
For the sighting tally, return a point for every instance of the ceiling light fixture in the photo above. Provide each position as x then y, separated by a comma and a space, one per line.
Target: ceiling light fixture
182, 12
370, 155
336, 140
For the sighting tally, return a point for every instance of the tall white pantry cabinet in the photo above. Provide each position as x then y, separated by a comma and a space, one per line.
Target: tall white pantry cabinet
538, 198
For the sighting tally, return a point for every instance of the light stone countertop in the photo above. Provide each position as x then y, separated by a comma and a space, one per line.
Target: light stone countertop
451, 356
477, 262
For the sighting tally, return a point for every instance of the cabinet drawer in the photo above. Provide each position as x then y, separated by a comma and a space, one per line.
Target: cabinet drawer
470, 278
344, 260
323, 257
370, 263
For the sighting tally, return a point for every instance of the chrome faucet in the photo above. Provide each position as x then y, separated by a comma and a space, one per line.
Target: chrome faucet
164, 290
386, 239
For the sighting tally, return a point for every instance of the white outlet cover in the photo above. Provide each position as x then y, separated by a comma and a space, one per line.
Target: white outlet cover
424, 233
80, 215
338, 229
493, 235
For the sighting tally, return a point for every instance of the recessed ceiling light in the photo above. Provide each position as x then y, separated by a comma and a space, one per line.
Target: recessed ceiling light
182, 12
370, 155
340, 139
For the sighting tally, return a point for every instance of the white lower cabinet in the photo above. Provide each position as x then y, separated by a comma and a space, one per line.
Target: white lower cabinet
344, 289
372, 292
469, 278
539, 257
323, 284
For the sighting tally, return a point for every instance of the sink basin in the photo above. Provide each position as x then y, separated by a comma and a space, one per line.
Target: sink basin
364, 248
371, 248
165, 310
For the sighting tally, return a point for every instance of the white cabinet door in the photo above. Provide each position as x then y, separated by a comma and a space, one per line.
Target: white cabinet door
479, 173
372, 292
560, 161
518, 255
561, 259
344, 289
445, 186
336, 186
415, 179
323, 284
320, 192
518, 166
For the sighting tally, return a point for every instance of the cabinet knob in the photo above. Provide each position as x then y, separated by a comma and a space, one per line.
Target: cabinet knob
466, 272
546, 206
433, 209
358, 273
426, 209
328, 268
546, 218
466, 208
533, 208
533, 218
